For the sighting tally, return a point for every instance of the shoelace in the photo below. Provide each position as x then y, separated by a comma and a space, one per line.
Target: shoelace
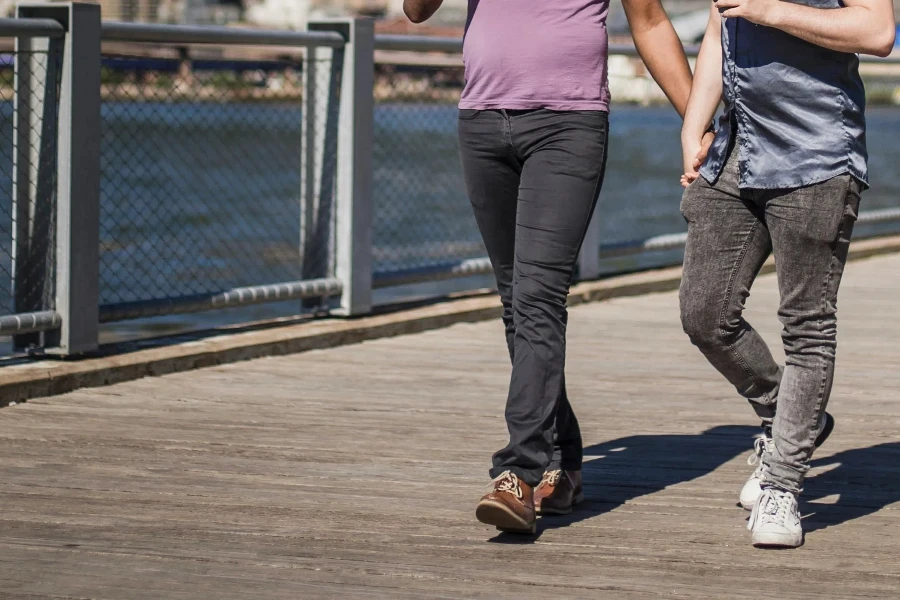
774, 506
507, 482
761, 444
552, 478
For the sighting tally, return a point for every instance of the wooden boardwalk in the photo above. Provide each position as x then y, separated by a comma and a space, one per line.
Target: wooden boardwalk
353, 472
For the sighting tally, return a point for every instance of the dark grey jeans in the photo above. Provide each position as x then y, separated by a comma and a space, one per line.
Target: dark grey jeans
533, 178
731, 232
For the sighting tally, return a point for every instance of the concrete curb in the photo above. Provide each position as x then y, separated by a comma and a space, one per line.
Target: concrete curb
131, 361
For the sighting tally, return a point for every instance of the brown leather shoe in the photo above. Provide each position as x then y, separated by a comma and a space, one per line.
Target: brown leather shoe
558, 492
510, 505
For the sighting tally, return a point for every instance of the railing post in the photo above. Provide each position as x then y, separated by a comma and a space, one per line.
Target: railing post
34, 169
78, 174
354, 149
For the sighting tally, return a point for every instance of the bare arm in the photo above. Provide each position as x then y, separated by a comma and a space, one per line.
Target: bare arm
860, 26
660, 49
706, 94
419, 11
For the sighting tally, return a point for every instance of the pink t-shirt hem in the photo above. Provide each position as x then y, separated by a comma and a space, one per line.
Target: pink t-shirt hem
561, 105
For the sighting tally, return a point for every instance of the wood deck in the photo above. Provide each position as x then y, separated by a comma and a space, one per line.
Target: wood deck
353, 472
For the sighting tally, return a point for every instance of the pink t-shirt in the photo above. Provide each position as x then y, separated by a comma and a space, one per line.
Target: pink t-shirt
525, 54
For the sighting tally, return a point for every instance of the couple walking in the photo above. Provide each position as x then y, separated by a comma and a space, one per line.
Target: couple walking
782, 173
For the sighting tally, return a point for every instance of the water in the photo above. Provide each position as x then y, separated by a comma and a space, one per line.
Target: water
201, 197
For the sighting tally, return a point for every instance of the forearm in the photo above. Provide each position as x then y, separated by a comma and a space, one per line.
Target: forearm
419, 11
661, 50
858, 29
706, 92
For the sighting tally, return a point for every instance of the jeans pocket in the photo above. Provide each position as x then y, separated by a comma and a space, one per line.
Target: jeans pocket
467, 114
815, 213
688, 199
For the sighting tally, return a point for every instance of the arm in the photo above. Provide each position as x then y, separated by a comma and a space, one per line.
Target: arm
860, 26
705, 95
419, 11
660, 49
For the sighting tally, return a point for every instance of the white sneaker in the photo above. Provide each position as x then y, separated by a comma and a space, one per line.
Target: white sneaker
764, 443
752, 489
775, 520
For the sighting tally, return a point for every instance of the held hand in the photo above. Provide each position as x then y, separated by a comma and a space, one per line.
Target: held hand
761, 12
688, 178
690, 153
691, 171
705, 143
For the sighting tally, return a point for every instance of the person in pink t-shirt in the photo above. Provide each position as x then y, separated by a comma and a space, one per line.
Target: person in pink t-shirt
533, 130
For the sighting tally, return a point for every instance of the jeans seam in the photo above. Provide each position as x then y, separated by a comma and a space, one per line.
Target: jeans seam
814, 432
728, 292
598, 184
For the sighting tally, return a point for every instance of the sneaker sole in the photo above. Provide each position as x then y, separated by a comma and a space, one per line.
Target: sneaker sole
500, 516
579, 499
823, 436
771, 540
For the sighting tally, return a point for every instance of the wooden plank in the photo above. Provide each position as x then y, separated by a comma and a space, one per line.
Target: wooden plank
352, 472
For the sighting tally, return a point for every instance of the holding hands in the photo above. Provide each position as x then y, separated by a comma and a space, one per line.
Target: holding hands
694, 154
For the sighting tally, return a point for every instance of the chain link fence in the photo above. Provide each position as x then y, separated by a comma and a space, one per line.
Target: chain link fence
422, 217
202, 166
28, 179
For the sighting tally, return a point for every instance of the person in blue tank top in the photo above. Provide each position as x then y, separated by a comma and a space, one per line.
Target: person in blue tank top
784, 175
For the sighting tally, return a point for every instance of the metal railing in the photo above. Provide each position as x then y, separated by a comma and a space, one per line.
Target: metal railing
139, 221
217, 181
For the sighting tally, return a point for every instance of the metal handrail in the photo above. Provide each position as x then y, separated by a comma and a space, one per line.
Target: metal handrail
116, 31
244, 296
675, 241
482, 266
452, 45
418, 43
30, 322
31, 28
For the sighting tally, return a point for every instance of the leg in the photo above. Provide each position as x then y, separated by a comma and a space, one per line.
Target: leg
811, 229
561, 177
727, 245
568, 449
492, 175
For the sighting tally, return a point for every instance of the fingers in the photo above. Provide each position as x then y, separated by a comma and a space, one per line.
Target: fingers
703, 151
688, 178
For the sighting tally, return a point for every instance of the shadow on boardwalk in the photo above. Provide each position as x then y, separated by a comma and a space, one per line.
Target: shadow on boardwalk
856, 483
864, 481
623, 469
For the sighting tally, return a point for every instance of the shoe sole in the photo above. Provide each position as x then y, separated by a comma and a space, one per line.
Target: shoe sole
823, 436
777, 541
500, 516
579, 499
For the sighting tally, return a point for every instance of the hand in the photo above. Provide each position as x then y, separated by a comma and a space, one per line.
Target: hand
761, 12
705, 143
691, 170
690, 153
688, 178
